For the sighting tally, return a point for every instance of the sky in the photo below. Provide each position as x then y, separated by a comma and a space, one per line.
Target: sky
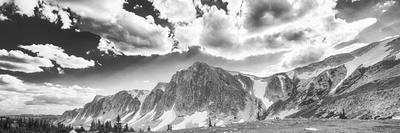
56, 55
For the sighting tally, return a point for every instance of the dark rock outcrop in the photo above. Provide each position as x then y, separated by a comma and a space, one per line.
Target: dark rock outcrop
106, 108
153, 98
202, 87
340, 86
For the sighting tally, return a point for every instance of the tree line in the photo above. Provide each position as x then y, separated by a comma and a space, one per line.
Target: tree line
31, 125
117, 127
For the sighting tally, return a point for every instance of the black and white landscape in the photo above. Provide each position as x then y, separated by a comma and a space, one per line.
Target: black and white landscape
200, 65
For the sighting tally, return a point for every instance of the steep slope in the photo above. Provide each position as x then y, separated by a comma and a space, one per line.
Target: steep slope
363, 83
192, 97
197, 94
359, 79
201, 87
106, 108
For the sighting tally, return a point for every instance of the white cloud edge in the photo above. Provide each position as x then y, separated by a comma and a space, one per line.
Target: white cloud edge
14, 100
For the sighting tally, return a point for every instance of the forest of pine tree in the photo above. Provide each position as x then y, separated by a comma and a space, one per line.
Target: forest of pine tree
38, 125
31, 125
107, 127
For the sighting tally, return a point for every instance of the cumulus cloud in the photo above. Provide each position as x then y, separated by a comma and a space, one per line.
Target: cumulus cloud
356, 10
303, 56
256, 28
265, 13
230, 29
28, 97
26, 7
385, 11
56, 14
176, 10
132, 34
57, 54
17, 61
45, 100
108, 46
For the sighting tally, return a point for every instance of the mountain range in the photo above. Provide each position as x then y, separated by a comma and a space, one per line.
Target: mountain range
362, 84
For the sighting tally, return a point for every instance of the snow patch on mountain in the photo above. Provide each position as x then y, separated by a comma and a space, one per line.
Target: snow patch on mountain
371, 57
282, 82
398, 56
199, 119
137, 120
167, 118
220, 123
127, 115
259, 91
88, 119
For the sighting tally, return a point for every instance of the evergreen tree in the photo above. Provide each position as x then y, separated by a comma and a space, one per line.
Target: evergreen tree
118, 119
131, 130
80, 130
209, 122
342, 115
99, 125
169, 127
118, 125
126, 128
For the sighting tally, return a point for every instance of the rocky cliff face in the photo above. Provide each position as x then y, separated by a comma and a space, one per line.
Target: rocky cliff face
210, 91
202, 87
358, 84
364, 84
106, 108
153, 98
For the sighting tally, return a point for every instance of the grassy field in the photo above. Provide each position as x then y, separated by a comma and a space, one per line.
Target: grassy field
304, 126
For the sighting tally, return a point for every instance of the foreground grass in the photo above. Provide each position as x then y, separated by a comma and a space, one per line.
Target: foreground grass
303, 126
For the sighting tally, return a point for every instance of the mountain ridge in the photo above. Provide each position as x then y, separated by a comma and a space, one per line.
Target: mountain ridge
324, 89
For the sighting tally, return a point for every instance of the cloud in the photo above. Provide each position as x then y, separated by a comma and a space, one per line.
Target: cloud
108, 47
26, 7
385, 11
56, 14
176, 10
57, 54
132, 34
303, 57
10, 80
266, 13
17, 61
53, 100
356, 10
230, 29
29, 97
302, 32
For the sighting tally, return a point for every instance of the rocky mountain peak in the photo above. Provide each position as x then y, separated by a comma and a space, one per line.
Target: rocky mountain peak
98, 97
138, 93
199, 64
353, 81
160, 86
